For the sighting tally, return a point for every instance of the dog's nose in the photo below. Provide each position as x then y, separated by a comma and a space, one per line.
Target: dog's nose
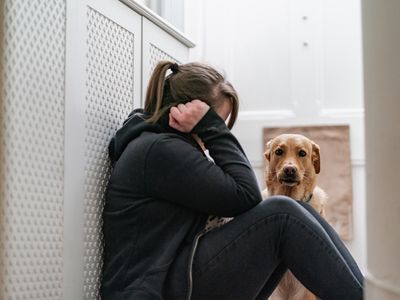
290, 170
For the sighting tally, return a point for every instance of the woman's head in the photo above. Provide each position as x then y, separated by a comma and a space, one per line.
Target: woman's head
186, 83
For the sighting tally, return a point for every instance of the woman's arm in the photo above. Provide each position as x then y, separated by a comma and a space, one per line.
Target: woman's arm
177, 172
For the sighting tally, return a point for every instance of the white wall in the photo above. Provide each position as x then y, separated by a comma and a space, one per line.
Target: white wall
293, 62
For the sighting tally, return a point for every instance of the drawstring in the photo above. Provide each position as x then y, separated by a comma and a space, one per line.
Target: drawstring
190, 266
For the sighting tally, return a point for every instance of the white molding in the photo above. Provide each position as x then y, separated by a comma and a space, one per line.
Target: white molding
382, 284
265, 115
358, 162
355, 162
254, 121
342, 113
156, 19
289, 114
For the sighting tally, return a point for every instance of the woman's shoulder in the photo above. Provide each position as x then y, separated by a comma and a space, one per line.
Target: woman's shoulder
152, 144
164, 140
172, 141
153, 137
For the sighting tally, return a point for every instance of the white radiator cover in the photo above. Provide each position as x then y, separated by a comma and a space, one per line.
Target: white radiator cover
71, 72
32, 155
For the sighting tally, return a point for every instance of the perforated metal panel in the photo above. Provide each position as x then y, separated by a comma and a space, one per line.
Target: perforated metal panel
156, 54
110, 82
32, 157
50, 213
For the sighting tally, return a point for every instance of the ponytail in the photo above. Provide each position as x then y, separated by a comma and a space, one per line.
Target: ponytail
155, 90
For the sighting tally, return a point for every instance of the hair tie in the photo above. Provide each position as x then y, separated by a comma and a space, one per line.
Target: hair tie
174, 68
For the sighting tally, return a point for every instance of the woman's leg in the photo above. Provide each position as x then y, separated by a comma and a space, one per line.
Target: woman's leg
272, 282
336, 240
241, 259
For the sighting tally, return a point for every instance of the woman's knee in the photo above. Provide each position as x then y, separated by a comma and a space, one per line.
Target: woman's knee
281, 204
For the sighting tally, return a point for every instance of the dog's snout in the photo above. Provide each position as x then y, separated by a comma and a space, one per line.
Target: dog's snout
290, 170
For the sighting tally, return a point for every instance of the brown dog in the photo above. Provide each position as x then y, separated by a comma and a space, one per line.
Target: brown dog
293, 165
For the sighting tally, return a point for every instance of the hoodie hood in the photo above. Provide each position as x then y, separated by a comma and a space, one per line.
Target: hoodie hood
132, 127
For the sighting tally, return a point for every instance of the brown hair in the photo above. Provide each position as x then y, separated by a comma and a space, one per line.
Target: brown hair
186, 83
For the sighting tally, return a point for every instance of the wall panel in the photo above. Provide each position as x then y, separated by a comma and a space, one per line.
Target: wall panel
103, 86
32, 156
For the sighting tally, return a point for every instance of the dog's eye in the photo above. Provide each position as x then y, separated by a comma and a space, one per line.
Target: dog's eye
302, 153
279, 152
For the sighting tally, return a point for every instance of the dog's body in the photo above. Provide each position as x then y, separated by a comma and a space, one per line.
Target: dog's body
293, 164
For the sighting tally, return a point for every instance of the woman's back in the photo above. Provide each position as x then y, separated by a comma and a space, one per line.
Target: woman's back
142, 232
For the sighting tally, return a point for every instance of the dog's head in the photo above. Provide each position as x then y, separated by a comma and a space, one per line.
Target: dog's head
293, 160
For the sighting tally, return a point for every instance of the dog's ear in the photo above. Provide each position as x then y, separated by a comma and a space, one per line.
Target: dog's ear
267, 153
315, 157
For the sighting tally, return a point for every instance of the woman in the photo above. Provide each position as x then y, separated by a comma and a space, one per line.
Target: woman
163, 188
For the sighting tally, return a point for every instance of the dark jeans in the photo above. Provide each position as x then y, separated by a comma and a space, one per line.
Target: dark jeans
246, 258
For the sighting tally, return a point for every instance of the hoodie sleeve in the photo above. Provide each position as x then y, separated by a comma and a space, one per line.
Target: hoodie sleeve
177, 172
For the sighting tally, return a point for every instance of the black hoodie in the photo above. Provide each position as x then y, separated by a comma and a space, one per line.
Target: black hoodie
160, 193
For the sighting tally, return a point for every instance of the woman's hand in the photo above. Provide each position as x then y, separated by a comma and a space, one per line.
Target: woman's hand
185, 116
